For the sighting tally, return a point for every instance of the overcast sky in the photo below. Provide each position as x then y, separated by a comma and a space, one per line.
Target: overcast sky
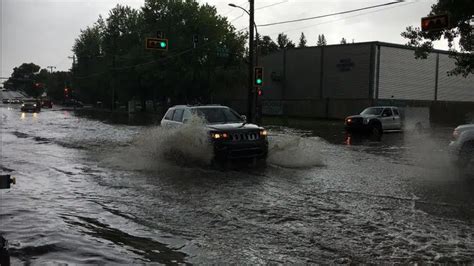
43, 31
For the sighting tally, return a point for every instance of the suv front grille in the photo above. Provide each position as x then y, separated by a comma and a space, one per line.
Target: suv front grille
246, 136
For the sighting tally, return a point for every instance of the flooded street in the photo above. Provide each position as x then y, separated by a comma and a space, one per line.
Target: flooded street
92, 191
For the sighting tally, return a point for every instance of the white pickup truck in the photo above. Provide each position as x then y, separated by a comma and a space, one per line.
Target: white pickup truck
378, 119
462, 145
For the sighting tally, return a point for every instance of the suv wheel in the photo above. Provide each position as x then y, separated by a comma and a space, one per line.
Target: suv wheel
376, 129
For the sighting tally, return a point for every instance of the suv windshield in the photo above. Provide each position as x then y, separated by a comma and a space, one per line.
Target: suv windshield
372, 111
218, 115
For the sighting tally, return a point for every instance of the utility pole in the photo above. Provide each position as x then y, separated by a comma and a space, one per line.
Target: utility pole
73, 60
250, 107
73, 57
113, 81
51, 68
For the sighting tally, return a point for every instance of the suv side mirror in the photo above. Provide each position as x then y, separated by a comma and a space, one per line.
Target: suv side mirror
244, 117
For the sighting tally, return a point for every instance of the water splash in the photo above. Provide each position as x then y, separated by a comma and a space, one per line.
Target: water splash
157, 147
295, 151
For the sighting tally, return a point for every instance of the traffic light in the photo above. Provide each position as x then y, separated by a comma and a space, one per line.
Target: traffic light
66, 92
156, 44
258, 76
259, 92
435, 23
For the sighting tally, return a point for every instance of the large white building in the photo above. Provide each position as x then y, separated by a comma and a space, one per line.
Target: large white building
336, 80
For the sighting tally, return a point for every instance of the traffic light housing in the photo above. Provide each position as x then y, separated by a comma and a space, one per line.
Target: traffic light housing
435, 23
258, 76
158, 44
259, 92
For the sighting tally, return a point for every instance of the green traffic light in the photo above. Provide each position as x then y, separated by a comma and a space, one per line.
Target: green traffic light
163, 44
259, 81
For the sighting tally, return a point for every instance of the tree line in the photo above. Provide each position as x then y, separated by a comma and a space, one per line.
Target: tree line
266, 45
206, 53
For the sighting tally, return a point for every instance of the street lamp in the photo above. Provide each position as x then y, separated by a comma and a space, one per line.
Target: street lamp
251, 94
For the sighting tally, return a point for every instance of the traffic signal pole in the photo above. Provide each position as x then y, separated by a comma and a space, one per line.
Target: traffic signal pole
250, 104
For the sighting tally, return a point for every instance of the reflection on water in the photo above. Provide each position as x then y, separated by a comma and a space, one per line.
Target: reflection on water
83, 196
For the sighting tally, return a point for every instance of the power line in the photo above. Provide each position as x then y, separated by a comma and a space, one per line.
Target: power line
236, 18
233, 9
328, 15
339, 19
275, 4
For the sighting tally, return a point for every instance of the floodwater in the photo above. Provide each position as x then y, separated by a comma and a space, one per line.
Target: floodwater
92, 191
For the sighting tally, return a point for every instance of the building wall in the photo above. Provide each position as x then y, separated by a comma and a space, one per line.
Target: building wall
401, 76
453, 88
303, 74
337, 80
273, 75
346, 73
296, 85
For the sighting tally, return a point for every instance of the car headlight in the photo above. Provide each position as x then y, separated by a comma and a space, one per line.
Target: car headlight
263, 133
23, 105
219, 135
34, 105
455, 134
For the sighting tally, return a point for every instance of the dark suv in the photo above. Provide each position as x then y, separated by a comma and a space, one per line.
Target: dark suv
231, 136
31, 106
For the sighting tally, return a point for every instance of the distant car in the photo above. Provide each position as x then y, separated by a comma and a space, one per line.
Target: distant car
375, 120
46, 103
462, 145
16, 101
6, 101
230, 134
31, 106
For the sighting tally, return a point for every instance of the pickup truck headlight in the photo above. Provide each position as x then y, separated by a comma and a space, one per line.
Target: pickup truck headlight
455, 134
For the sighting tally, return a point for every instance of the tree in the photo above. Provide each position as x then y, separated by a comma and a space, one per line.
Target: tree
284, 42
112, 59
343, 40
321, 40
27, 78
460, 13
303, 41
267, 46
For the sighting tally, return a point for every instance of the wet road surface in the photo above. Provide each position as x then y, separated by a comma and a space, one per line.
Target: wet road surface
91, 191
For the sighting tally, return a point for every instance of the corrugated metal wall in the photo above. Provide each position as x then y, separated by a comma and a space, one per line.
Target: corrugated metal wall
303, 73
403, 77
273, 74
346, 73
337, 80
453, 88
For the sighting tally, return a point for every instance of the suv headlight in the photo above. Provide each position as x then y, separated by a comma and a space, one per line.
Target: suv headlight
263, 133
219, 135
